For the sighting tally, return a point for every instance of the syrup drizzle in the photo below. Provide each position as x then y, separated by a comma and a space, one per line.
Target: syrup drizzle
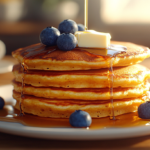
111, 78
25, 68
112, 52
22, 88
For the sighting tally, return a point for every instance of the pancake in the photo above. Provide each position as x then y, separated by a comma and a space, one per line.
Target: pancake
54, 83
40, 57
130, 76
82, 93
63, 108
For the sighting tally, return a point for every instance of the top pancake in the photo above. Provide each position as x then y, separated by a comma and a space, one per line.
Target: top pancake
40, 57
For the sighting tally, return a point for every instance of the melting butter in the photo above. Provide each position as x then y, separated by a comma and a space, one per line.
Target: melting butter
94, 39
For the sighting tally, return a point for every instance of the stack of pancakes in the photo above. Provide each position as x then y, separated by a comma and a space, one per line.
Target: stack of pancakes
53, 83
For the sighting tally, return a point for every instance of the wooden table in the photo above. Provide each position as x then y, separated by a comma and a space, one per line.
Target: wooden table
13, 142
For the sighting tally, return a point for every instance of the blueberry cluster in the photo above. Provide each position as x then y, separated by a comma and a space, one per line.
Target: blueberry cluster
63, 37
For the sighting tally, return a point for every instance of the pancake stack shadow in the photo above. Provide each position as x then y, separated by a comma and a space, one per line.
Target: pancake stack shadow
52, 83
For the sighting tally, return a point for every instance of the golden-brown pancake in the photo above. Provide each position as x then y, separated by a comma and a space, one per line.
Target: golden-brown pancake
40, 57
63, 108
82, 93
55, 83
131, 76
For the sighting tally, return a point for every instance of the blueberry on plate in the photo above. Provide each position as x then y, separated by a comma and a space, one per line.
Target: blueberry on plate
80, 119
2, 103
66, 42
144, 110
68, 26
81, 27
49, 36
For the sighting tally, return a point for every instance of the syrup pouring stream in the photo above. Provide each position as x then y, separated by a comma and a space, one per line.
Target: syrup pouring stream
114, 50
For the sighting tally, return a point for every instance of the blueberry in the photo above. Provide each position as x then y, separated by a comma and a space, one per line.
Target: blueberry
49, 36
81, 27
2, 103
80, 119
144, 110
66, 42
68, 26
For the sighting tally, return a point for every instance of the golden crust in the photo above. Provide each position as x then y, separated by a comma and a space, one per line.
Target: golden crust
130, 76
39, 57
64, 108
82, 94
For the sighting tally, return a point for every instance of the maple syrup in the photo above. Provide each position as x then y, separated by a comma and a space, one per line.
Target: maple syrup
23, 84
86, 15
25, 68
9, 114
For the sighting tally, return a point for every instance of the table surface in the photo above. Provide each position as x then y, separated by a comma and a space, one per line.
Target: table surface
13, 142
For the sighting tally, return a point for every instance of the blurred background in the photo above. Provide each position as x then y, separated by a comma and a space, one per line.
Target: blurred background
21, 21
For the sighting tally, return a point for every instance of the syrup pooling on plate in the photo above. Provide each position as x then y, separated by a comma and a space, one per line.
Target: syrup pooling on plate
9, 114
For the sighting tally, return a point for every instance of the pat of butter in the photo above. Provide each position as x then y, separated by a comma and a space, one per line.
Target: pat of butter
94, 39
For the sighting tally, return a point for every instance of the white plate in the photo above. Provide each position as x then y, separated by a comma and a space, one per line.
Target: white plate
66, 133
5, 66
